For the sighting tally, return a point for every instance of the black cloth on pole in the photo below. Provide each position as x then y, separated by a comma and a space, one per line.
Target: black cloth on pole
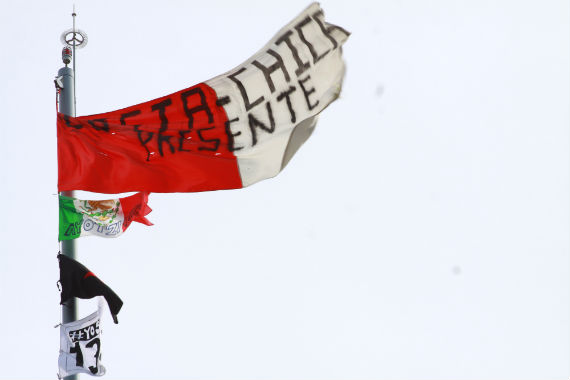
78, 281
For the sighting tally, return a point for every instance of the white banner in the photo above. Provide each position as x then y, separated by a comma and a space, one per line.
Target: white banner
80, 346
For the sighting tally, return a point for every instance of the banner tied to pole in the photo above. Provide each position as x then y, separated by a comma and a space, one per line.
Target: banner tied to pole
80, 346
78, 281
225, 133
107, 218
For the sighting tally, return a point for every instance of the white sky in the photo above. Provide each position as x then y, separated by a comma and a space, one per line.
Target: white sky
423, 232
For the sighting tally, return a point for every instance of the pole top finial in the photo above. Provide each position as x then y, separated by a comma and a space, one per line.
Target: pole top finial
74, 38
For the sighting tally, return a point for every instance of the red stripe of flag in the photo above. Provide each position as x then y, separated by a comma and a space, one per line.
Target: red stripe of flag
135, 208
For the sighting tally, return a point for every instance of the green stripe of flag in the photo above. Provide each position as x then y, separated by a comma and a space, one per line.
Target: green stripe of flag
70, 221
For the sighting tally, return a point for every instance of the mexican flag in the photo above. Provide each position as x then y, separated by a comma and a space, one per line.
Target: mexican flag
107, 218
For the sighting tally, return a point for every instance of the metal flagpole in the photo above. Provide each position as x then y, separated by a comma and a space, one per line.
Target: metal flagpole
65, 83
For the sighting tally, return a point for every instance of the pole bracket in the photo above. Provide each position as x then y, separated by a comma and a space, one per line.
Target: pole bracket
58, 81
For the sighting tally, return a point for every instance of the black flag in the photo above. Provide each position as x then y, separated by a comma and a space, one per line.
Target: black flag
78, 281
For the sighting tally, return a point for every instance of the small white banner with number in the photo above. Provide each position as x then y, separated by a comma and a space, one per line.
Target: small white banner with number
80, 346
